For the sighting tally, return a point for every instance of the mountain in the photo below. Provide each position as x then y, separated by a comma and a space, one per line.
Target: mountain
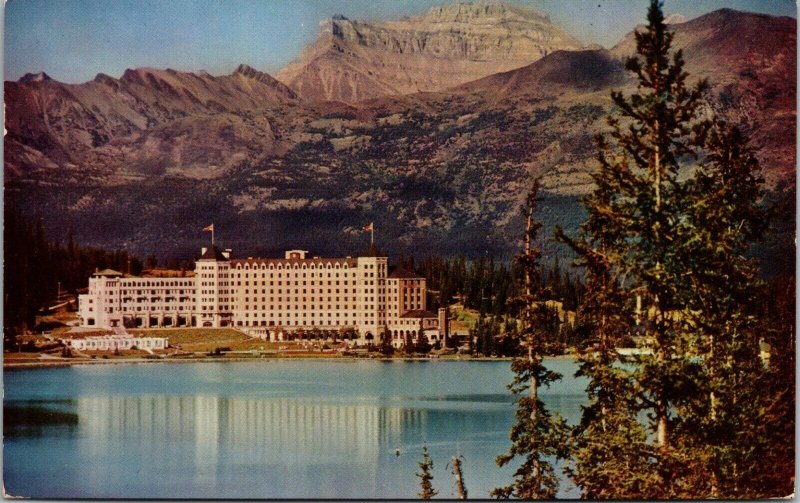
441, 172
449, 45
141, 119
578, 71
750, 61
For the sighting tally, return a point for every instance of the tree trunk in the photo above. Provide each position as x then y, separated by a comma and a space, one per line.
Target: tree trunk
462, 490
661, 413
534, 389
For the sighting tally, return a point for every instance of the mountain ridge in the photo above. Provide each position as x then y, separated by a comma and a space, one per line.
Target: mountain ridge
442, 171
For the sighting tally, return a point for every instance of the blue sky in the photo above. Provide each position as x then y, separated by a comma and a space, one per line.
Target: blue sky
73, 40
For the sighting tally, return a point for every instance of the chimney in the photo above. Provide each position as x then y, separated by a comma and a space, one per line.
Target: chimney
203, 251
227, 253
444, 325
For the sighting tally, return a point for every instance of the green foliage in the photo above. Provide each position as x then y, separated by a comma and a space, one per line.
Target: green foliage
778, 390
487, 285
537, 435
423, 345
386, 343
678, 245
639, 204
35, 266
408, 343
611, 458
725, 217
425, 476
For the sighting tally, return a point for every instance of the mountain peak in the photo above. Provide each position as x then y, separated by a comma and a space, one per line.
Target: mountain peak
34, 77
246, 69
249, 72
675, 18
448, 45
482, 10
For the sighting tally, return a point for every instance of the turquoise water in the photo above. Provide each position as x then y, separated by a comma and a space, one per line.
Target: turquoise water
267, 429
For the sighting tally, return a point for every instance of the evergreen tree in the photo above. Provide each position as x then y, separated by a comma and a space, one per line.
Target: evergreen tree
425, 476
726, 217
386, 342
408, 343
778, 388
151, 262
538, 436
36, 268
423, 344
611, 458
644, 208
677, 243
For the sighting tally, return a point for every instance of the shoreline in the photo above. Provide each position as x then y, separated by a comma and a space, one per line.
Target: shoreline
135, 361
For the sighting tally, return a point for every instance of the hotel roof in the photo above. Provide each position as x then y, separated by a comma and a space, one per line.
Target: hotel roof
213, 253
107, 272
418, 313
402, 273
372, 251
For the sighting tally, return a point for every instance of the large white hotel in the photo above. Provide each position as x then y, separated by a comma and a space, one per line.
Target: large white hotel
270, 298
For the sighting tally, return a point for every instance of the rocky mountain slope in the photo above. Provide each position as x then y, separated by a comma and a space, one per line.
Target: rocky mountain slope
750, 61
449, 45
438, 172
149, 120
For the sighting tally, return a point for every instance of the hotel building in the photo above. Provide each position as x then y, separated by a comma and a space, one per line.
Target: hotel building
270, 298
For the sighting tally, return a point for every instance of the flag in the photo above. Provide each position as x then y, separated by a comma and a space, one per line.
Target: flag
209, 228
368, 228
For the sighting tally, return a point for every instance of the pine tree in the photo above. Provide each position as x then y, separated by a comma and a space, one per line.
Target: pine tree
678, 244
538, 436
611, 458
408, 343
386, 342
653, 129
778, 388
425, 476
726, 217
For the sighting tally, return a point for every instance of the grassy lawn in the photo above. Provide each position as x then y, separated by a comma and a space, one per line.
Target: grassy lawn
207, 339
469, 317
87, 333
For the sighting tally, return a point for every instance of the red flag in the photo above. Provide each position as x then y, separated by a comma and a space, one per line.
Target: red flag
368, 228
209, 228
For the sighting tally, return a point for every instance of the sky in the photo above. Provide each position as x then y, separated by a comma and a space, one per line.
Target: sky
73, 40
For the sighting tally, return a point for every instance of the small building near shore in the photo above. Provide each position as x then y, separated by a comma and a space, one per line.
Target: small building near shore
120, 340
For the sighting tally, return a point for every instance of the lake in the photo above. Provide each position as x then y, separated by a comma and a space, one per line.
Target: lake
268, 429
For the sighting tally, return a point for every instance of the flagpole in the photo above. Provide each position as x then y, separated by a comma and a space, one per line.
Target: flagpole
372, 233
212, 234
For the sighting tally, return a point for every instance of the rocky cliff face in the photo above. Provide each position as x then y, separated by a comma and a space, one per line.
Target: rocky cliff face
449, 45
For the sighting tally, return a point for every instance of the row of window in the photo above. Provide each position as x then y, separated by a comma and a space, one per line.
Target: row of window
138, 283
128, 309
291, 323
296, 275
279, 266
288, 298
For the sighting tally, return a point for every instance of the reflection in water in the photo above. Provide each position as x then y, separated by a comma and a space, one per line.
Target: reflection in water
185, 432
292, 431
281, 435
30, 419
